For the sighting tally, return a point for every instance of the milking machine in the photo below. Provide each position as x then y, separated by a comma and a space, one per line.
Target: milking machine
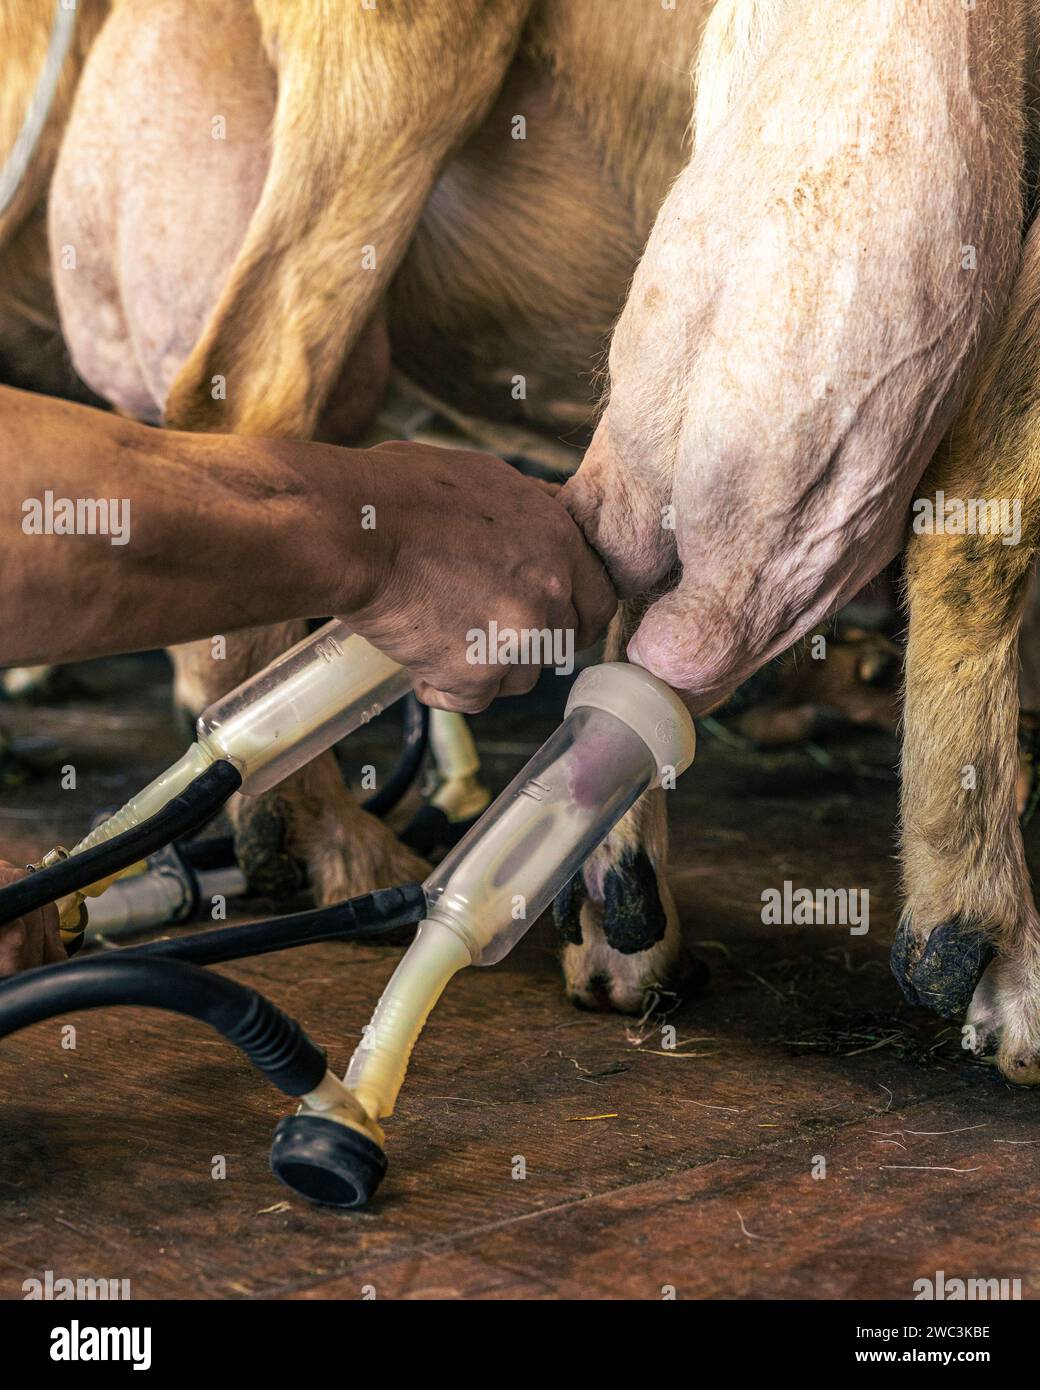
623, 730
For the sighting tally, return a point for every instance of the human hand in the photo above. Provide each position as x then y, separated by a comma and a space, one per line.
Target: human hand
473, 543
34, 939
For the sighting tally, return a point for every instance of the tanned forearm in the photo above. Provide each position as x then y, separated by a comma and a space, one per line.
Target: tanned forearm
209, 533
414, 545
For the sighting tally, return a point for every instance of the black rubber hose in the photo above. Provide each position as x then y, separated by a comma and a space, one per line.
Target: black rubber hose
414, 739
217, 852
182, 813
370, 915
273, 1042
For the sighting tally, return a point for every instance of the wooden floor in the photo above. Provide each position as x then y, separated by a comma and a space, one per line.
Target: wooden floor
645, 1167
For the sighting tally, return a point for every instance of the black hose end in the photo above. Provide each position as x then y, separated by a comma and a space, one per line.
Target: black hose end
326, 1161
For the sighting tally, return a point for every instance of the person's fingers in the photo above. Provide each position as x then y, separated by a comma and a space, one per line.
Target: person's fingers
33, 940
595, 602
12, 947
518, 680
471, 701
53, 946
15, 937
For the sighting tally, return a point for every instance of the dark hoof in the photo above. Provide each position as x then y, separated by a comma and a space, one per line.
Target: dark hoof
942, 974
633, 914
261, 848
430, 833
566, 910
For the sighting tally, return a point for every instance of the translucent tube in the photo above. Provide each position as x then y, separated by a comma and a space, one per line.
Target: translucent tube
319, 691
623, 728
377, 1068
506, 871
151, 798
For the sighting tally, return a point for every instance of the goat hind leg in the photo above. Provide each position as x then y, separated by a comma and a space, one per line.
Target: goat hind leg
970, 933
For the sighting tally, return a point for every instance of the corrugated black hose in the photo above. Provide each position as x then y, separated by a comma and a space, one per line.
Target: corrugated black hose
170, 974
273, 1042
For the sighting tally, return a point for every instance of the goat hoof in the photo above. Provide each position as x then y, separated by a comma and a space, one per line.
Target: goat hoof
941, 972
1004, 1020
262, 850
634, 918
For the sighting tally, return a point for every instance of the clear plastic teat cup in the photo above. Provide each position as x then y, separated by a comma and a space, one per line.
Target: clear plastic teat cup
622, 730
507, 870
318, 692
308, 699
